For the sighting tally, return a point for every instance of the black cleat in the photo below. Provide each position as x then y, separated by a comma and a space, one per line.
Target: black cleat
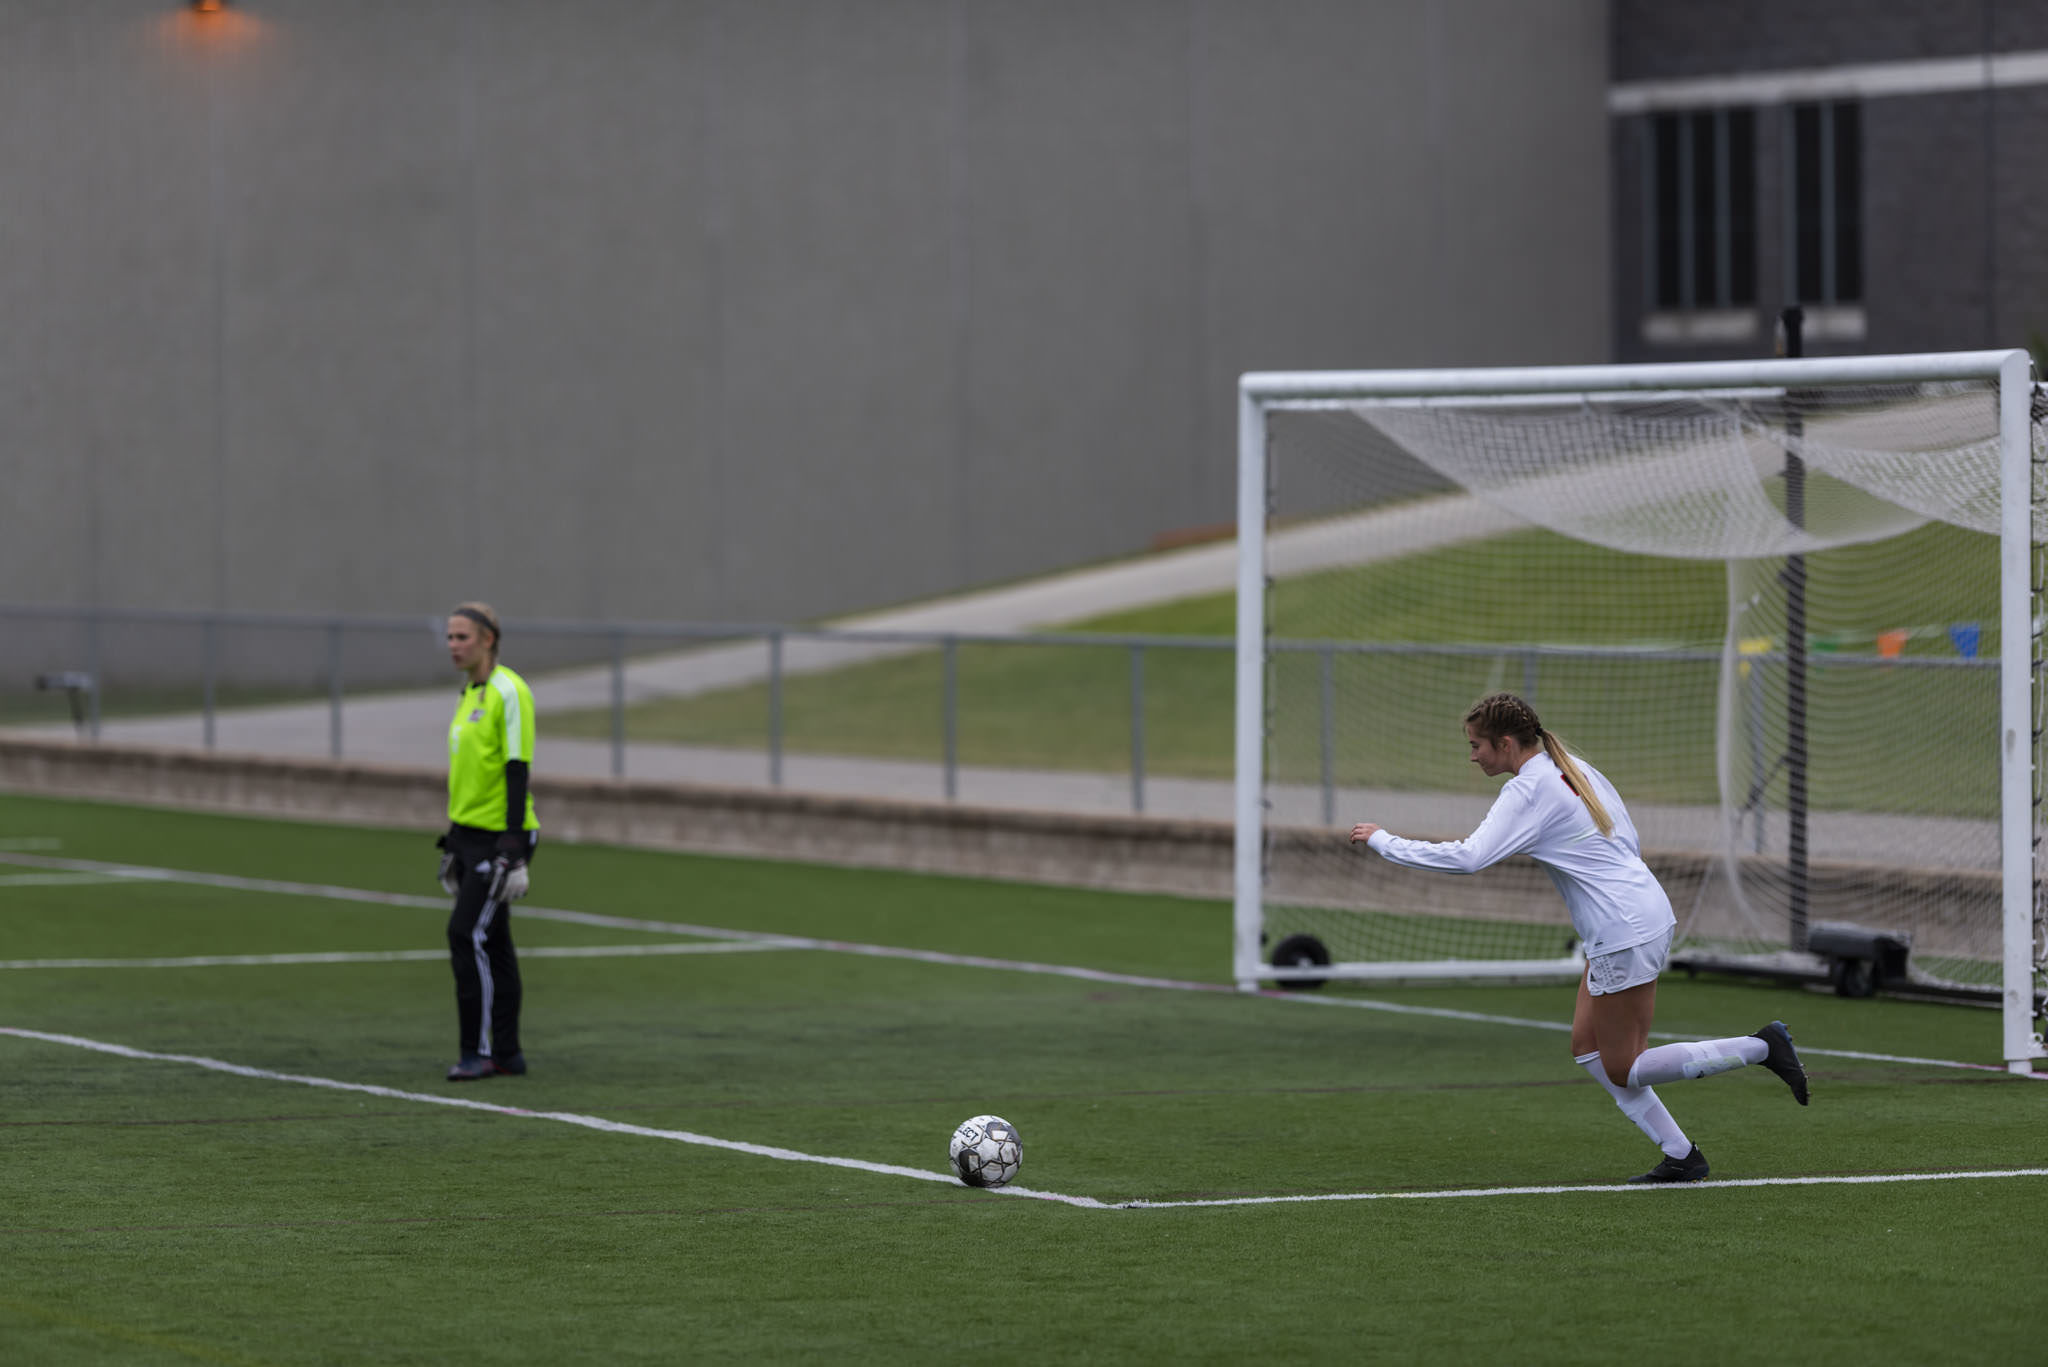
1691, 1168
514, 1066
1783, 1059
473, 1068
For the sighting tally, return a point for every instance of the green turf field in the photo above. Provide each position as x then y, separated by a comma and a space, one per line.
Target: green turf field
1069, 706
158, 1211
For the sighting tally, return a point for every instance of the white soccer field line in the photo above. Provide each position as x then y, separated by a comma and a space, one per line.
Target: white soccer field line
331, 892
1846, 1180
387, 956
599, 1123
589, 1122
59, 880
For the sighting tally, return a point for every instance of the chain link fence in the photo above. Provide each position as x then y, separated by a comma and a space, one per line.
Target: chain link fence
1076, 721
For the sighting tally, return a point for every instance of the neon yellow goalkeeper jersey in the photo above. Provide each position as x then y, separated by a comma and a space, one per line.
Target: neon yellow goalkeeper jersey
493, 726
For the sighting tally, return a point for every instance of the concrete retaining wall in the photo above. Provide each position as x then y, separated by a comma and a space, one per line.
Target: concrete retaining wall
1128, 853
1950, 910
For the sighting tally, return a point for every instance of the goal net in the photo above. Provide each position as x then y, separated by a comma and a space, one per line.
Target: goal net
1791, 608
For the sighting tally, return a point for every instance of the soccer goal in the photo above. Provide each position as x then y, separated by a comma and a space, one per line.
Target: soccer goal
1793, 608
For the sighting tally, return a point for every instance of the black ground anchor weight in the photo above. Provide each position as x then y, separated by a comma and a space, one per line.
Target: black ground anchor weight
1300, 951
1861, 962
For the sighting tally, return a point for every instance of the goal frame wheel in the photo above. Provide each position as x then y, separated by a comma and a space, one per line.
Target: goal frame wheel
1301, 951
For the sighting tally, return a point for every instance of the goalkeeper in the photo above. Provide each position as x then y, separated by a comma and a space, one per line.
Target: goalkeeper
1566, 816
491, 839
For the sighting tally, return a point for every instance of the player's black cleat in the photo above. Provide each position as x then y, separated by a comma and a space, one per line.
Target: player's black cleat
1691, 1168
1783, 1059
515, 1066
474, 1068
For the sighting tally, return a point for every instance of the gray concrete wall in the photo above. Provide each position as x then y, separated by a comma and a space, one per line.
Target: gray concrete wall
728, 309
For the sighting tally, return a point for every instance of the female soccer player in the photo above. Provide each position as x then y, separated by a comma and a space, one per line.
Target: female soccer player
492, 836
1564, 814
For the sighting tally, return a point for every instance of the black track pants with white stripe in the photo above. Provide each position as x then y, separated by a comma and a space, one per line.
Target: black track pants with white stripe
487, 992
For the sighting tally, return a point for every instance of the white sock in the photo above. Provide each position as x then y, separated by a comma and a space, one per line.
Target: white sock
1641, 1105
1670, 1062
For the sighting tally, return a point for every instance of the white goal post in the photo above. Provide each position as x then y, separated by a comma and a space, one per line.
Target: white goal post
1752, 475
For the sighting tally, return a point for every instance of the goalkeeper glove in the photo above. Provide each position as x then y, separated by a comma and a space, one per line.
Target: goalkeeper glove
451, 870
508, 869
508, 880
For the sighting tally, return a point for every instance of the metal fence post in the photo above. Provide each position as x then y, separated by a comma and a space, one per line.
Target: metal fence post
1756, 750
92, 665
1327, 661
207, 670
1137, 728
334, 630
618, 704
775, 709
951, 651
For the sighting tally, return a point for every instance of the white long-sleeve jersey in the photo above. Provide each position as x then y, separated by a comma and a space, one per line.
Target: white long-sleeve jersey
1614, 899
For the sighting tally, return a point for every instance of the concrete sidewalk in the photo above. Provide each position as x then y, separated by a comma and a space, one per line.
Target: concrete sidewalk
408, 728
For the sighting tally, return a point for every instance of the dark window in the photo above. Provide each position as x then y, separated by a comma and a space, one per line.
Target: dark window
1848, 202
1742, 207
1825, 230
1701, 208
1666, 212
1708, 167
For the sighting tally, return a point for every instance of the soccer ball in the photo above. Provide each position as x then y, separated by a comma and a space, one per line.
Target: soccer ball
986, 1151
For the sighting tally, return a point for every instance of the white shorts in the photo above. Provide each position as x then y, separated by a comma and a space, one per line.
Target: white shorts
1626, 968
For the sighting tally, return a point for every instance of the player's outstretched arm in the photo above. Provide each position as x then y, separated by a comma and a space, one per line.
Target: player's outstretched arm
1507, 829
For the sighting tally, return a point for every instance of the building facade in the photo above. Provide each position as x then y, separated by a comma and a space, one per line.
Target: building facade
1876, 162
730, 310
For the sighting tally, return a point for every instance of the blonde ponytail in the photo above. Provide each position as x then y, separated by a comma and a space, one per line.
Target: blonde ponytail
1576, 776
1503, 716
